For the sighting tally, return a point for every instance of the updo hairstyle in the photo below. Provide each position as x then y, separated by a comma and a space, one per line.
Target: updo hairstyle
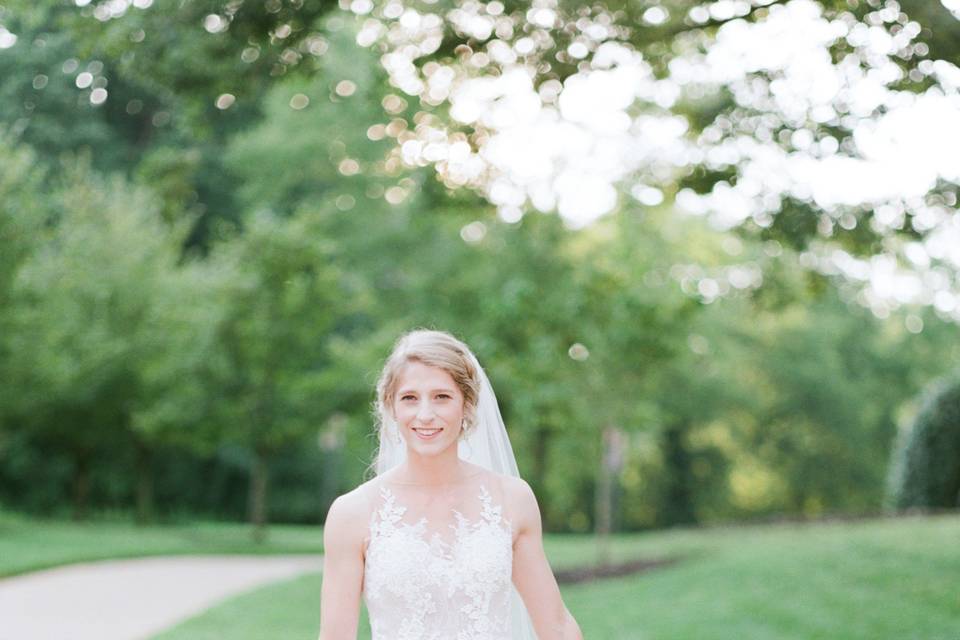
434, 349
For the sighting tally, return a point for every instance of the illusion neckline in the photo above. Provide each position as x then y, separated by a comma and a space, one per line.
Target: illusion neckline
391, 511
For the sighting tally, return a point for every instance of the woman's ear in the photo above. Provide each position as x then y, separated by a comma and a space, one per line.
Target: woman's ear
469, 417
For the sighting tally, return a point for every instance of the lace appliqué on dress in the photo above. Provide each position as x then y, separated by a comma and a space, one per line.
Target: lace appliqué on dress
418, 587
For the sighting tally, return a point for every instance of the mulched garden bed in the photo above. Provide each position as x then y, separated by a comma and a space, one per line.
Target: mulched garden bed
591, 573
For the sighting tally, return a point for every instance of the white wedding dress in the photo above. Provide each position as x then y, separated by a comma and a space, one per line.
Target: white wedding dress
438, 567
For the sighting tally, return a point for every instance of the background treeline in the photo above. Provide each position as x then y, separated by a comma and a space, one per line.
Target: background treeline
195, 301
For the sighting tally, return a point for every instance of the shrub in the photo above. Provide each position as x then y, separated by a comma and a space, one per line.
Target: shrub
925, 465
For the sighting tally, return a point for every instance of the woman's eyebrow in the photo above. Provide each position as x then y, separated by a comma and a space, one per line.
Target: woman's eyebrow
437, 390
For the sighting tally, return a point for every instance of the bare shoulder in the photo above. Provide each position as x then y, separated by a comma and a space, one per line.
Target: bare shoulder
521, 502
517, 490
349, 515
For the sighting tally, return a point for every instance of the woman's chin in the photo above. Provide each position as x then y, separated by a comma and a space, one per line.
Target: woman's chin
429, 447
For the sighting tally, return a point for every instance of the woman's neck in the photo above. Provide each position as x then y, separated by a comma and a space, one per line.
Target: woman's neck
433, 471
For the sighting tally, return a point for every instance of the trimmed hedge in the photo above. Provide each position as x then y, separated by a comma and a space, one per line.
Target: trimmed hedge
925, 466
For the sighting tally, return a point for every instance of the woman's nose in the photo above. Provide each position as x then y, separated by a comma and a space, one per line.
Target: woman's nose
425, 410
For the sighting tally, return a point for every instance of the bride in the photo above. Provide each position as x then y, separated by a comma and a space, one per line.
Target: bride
445, 542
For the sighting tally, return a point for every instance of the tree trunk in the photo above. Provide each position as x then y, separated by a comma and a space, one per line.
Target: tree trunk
81, 485
259, 477
678, 494
541, 449
330, 479
331, 444
144, 465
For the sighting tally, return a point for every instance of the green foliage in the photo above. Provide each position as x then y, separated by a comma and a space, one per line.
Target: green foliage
312, 146
46, 104
283, 296
80, 331
24, 216
174, 51
280, 301
217, 312
945, 34
82, 297
785, 403
925, 466
25, 213
170, 172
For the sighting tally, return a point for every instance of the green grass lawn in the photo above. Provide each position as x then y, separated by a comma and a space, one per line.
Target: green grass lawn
875, 580
28, 544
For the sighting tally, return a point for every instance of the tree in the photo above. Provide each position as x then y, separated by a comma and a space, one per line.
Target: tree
281, 306
175, 408
79, 315
24, 216
801, 400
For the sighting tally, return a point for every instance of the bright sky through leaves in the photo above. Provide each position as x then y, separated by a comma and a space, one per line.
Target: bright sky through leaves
573, 147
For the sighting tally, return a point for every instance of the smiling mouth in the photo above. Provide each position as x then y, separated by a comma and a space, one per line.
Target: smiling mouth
427, 433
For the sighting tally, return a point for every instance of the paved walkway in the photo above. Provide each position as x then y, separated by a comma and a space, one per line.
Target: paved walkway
132, 599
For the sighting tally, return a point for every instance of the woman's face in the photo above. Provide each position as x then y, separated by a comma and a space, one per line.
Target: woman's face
428, 408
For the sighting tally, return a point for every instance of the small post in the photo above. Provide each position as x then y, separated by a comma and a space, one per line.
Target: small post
611, 462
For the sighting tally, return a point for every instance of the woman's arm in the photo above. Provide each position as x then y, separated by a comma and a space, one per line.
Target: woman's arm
532, 575
343, 535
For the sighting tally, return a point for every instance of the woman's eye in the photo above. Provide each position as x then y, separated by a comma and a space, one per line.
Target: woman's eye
407, 397
444, 395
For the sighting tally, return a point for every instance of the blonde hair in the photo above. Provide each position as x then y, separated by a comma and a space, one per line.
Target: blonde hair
434, 349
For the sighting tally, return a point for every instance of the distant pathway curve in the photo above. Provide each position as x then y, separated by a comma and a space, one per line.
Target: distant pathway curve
132, 599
